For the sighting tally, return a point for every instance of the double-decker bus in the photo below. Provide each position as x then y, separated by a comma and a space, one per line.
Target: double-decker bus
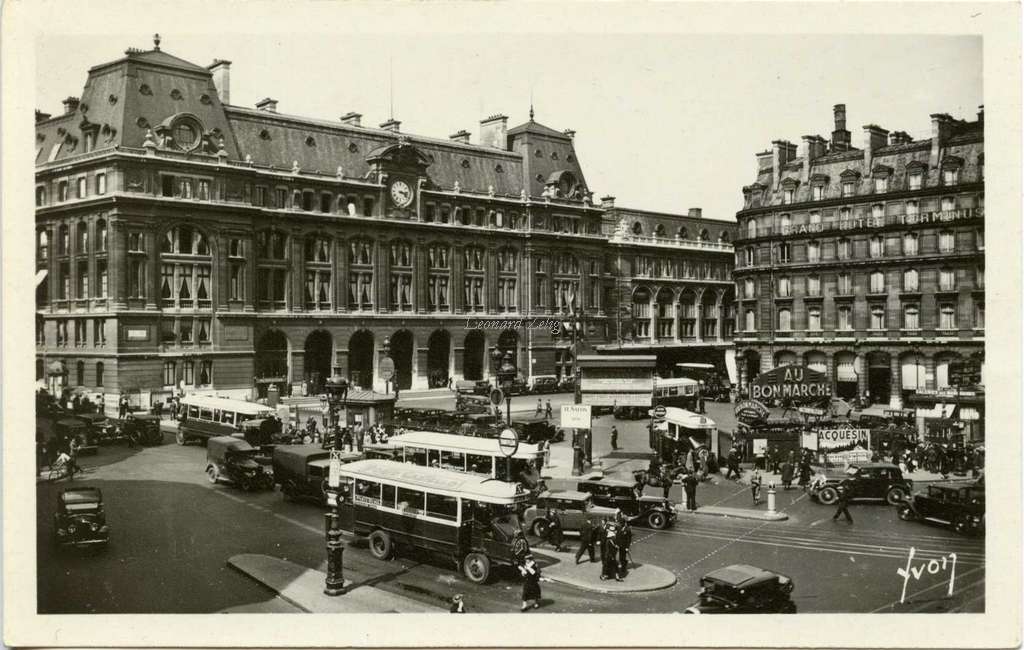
203, 416
683, 430
680, 392
468, 519
482, 456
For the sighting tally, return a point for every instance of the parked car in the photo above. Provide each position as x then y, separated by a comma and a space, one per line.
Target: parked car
571, 507
236, 461
68, 428
959, 506
142, 429
871, 481
80, 519
517, 387
652, 511
302, 470
473, 387
744, 589
533, 429
631, 412
98, 428
545, 384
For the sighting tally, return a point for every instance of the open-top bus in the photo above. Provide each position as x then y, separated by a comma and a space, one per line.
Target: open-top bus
470, 454
470, 520
203, 417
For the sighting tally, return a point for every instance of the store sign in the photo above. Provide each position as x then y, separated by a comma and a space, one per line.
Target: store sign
618, 399
136, 333
751, 411
575, 416
790, 381
945, 392
941, 216
810, 410
844, 439
609, 383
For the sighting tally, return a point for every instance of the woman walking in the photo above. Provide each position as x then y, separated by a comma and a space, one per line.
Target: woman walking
787, 475
755, 486
805, 475
531, 583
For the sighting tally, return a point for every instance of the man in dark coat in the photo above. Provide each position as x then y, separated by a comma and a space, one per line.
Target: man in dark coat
615, 438
609, 551
734, 464
587, 540
623, 539
690, 487
554, 534
844, 490
787, 475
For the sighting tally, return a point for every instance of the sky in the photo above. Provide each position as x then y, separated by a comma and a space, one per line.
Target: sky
663, 122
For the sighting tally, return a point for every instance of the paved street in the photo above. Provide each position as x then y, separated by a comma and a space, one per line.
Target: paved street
172, 529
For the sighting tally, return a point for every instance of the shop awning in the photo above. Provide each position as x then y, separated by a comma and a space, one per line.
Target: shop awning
40, 276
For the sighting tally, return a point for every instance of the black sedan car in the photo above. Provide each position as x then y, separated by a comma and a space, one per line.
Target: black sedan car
80, 519
651, 511
744, 589
959, 506
870, 481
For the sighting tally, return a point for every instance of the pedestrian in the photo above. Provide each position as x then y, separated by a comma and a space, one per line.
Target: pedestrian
844, 490
805, 474
158, 409
540, 408
609, 552
688, 463
587, 540
458, 605
734, 464
690, 487
360, 437
396, 392
638, 490
700, 404
547, 410
787, 475
122, 406
73, 448
666, 482
531, 583
554, 535
623, 539
615, 438
449, 382
755, 486
520, 547
347, 439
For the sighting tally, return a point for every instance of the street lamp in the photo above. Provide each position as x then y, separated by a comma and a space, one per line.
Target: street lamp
386, 349
337, 397
506, 375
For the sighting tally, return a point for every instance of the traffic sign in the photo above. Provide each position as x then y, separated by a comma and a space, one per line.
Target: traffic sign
659, 411
497, 397
508, 442
387, 368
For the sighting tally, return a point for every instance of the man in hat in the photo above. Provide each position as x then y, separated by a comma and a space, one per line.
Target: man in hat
458, 605
587, 539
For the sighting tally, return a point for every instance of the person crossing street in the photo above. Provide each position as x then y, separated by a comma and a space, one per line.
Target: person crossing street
554, 530
587, 539
615, 438
843, 490
690, 487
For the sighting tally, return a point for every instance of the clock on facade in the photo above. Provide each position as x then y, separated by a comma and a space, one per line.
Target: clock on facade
401, 193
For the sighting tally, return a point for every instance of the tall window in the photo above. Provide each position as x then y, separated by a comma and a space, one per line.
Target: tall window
748, 288
101, 236
950, 176
912, 209
99, 374
948, 203
882, 184
62, 191
44, 245
910, 243
979, 277
360, 275
439, 279
813, 285
784, 222
814, 319
188, 372
843, 249
910, 282
401, 276
876, 247
40, 195
877, 211
205, 373
844, 286
915, 181
910, 317
877, 282
785, 252
752, 228
83, 280
813, 251
101, 183
814, 218
847, 188
82, 191
508, 265
83, 237
877, 317
748, 255
80, 373
750, 324
947, 280
784, 289
946, 242
318, 273
947, 316
979, 314
979, 238
787, 196
818, 192
785, 320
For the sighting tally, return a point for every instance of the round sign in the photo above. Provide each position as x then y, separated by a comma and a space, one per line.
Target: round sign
659, 411
497, 396
508, 441
387, 368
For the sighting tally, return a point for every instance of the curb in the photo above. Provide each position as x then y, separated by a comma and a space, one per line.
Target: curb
613, 587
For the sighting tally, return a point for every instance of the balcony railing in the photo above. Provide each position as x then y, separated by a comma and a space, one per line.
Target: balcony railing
670, 242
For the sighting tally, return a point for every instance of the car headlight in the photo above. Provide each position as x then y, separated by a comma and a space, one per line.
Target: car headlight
71, 529
94, 527
61, 532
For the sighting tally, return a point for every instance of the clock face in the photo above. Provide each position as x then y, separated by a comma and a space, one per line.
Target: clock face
401, 193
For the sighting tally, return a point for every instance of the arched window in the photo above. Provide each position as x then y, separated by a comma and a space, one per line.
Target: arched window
910, 280
877, 317
748, 288
752, 228
638, 228
749, 324
83, 237
724, 237
271, 245
785, 320
659, 230
682, 233
705, 235
185, 283
101, 235
360, 274
185, 240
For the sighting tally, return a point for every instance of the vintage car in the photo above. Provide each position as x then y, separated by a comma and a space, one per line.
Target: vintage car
473, 387
80, 520
631, 412
570, 506
535, 429
744, 589
236, 461
959, 506
870, 482
73, 428
545, 384
98, 428
142, 429
302, 470
651, 511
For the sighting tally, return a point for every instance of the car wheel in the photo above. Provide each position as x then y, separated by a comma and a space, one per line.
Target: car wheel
179, 437
657, 520
539, 528
907, 513
895, 496
477, 568
212, 474
381, 546
828, 496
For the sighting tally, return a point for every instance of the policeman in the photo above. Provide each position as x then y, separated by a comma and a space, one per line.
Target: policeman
690, 487
623, 538
844, 490
587, 539
554, 535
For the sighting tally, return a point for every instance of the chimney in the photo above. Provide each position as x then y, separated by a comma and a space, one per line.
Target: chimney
899, 137
221, 71
780, 151
570, 133
460, 136
70, 105
981, 115
41, 116
940, 132
813, 147
608, 202
352, 118
493, 131
875, 138
267, 104
764, 161
391, 125
694, 213
840, 136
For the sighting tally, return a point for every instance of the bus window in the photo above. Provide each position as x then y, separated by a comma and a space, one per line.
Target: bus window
227, 417
673, 390
434, 457
478, 464
443, 507
216, 415
453, 460
206, 414
388, 497
416, 455
368, 490
410, 500
467, 510
193, 412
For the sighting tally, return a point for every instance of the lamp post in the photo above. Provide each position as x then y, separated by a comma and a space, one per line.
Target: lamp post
506, 375
386, 349
337, 397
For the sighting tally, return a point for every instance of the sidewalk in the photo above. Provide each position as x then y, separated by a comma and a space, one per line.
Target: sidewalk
587, 575
304, 588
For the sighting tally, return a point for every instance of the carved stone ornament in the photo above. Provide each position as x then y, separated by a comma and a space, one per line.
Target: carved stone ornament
457, 188
149, 142
340, 173
522, 194
490, 190
295, 167
248, 159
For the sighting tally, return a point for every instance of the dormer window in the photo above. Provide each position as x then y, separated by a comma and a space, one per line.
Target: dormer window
817, 192
914, 180
881, 184
847, 188
787, 196
950, 176
638, 228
